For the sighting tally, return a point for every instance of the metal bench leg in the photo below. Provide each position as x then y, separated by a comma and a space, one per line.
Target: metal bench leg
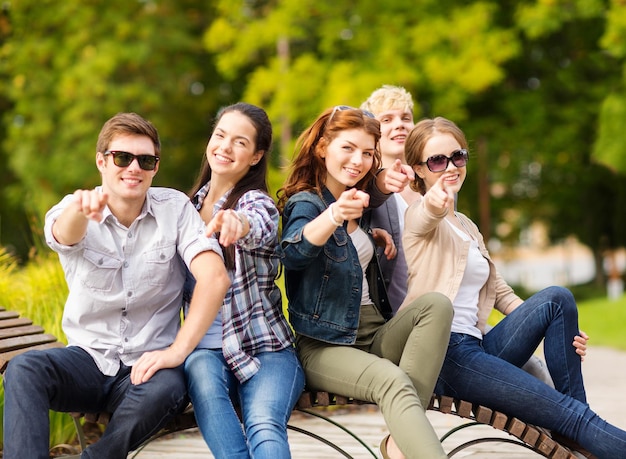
488, 440
336, 424
82, 440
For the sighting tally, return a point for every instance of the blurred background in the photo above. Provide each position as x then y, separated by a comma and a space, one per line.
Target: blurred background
538, 86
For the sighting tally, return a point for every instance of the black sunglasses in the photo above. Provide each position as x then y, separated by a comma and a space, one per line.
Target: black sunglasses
124, 159
341, 108
439, 163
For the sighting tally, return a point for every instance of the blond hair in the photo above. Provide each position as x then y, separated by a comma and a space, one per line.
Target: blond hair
388, 97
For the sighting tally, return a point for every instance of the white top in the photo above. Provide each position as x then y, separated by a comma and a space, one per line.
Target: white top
466, 302
402, 206
365, 250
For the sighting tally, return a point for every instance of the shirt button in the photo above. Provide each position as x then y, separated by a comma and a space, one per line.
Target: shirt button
125, 264
129, 294
130, 235
126, 340
124, 313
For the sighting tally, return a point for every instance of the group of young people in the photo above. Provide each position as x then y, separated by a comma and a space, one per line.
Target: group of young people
389, 289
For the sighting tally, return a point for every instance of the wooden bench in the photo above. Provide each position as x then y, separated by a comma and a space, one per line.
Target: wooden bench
18, 335
521, 434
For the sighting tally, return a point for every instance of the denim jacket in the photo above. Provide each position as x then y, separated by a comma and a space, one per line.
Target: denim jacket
323, 283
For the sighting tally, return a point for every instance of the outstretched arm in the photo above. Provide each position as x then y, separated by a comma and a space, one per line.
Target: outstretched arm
70, 227
349, 206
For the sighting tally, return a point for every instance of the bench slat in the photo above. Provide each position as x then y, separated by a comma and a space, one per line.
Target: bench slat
8, 315
483, 414
499, 420
10, 344
445, 404
5, 357
464, 408
546, 445
20, 331
531, 435
305, 401
16, 322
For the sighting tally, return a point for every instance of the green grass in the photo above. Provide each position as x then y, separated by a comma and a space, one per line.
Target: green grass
604, 321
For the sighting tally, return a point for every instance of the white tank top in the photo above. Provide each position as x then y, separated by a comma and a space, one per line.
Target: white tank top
365, 250
466, 301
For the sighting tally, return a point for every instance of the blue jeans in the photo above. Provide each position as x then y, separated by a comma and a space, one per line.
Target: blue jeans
488, 372
266, 401
68, 380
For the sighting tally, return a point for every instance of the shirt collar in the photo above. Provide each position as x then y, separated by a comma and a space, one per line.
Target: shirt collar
145, 210
201, 194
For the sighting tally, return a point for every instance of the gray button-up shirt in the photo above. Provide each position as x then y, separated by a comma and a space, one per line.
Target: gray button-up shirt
126, 284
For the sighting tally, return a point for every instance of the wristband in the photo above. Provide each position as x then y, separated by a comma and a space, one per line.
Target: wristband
331, 217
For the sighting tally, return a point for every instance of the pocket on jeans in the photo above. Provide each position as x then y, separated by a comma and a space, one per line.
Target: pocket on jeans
456, 339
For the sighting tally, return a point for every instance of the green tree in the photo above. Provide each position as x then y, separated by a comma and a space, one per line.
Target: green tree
72, 65
14, 231
610, 146
526, 80
298, 57
541, 125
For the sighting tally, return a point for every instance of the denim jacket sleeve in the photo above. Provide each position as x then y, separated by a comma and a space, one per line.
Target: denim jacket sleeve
323, 284
295, 250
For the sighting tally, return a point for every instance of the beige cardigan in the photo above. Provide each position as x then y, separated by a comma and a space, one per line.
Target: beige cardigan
437, 259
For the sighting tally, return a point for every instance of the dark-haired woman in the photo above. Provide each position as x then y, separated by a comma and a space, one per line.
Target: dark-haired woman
247, 358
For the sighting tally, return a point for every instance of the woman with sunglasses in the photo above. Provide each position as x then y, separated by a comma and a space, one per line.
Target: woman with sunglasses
446, 253
344, 341
247, 358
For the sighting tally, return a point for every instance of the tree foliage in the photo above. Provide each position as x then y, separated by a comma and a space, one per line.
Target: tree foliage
537, 85
73, 65
338, 52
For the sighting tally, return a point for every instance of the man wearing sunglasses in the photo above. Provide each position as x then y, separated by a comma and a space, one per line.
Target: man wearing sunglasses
124, 247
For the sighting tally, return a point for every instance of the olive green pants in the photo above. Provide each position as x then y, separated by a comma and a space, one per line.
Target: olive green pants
394, 364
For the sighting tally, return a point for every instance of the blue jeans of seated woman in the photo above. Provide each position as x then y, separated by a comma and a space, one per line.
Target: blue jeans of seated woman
487, 372
266, 401
67, 379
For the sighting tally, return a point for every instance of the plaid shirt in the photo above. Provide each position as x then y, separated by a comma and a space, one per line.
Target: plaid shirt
252, 314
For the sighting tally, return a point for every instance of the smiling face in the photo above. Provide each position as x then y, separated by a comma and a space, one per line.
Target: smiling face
126, 184
395, 125
231, 150
441, 144
348, 157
